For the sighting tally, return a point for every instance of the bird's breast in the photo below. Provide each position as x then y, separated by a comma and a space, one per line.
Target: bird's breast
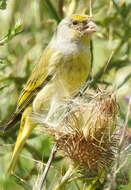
74, 70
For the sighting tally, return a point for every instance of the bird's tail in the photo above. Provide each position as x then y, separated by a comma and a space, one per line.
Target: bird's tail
18, 146
26, 127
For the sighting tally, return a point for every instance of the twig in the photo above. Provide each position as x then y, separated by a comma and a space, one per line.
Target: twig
41, 180
108, 61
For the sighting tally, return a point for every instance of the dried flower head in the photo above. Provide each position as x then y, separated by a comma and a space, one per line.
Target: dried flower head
86, 134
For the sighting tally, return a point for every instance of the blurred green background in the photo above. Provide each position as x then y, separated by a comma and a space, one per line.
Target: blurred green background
26, 27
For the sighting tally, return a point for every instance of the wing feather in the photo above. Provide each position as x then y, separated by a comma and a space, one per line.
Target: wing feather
39, 77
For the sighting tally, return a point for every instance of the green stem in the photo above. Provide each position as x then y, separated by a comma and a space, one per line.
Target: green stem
65, 179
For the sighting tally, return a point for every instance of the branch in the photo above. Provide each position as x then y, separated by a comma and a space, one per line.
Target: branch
40, 182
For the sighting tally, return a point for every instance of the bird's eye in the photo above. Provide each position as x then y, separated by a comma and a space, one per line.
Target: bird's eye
75, 22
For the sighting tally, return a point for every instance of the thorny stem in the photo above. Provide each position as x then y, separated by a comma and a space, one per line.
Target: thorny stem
40, 182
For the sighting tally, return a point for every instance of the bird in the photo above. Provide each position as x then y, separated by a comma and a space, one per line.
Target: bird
61, 71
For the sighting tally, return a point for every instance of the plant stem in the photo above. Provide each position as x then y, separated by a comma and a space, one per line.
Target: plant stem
65, 179
41, 180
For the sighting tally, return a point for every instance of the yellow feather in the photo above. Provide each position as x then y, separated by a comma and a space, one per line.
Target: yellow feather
67, 60
79, 17
37, 77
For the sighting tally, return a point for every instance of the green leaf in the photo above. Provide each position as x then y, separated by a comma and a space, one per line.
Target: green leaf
52, 10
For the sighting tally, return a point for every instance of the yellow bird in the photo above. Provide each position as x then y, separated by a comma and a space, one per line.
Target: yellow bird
61, 72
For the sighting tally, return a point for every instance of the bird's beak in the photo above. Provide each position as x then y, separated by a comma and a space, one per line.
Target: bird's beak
90, 27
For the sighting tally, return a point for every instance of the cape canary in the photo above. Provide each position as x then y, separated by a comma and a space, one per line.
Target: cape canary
62, 70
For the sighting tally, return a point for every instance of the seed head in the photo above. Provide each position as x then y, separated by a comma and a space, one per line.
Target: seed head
87, 133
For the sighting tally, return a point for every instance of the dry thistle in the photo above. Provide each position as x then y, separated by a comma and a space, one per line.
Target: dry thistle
86, 134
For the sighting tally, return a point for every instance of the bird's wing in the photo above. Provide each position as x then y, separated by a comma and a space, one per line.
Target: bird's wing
41, 75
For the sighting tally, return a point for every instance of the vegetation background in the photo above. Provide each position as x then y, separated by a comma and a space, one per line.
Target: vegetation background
26, 27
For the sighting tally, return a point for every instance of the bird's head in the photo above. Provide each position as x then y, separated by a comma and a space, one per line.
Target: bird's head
76, 27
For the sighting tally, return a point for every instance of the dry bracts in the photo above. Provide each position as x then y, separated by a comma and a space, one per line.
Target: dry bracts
87, 133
